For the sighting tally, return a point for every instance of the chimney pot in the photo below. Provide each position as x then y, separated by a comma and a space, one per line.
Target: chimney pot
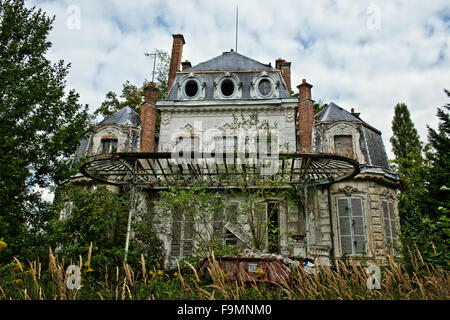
353, 110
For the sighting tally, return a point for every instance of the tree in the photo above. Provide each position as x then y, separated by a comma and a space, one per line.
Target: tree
405, 139
40, 124
436, 202
132, 95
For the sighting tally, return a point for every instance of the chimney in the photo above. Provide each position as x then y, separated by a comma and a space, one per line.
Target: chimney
175, 59
286, 71
148, 118
278, 63
305, 116
185, 65
356, 114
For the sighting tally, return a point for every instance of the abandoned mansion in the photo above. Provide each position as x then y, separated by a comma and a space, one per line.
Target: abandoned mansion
233, 118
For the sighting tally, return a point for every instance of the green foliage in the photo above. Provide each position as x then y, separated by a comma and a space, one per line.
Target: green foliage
100, 217
41, 124
405, 139
424, 197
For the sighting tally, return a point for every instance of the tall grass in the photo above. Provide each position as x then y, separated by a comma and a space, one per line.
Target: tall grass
346, 281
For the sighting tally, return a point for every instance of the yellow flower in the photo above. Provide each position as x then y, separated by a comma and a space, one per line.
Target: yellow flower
152, 273
259, 271
19, 281
3, 244
160, 272
89, 269
175, 274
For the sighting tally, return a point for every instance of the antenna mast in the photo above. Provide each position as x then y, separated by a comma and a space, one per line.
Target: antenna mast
237, 26
155, 54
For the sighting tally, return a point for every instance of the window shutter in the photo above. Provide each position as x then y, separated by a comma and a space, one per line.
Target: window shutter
392, 218
386, 222
351, 225
344, 226
175, 248
359, 240
218, 225
260, 220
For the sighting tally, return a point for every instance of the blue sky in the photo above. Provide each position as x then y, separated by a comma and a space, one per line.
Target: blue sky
367, 55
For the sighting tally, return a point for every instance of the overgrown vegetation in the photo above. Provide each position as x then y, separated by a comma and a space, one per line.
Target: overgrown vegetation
348, 281
424, 197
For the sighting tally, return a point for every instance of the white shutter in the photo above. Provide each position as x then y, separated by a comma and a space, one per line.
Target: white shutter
175, 248
345, 233
352, 234
390, 230
359, 238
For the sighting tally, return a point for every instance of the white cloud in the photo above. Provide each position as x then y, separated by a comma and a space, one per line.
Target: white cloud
328, 42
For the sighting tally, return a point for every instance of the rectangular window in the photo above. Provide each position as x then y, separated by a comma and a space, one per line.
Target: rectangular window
225, 144
343, 145
390, 230
188, 144
351, 224
109, 146
182, 235
266, 145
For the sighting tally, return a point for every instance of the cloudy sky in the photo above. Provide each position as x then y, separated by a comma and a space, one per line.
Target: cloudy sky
368, 55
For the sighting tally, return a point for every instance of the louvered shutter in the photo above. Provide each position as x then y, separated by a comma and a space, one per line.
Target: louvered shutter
386, 222
345, 226
188, 235
260, 221
175, 248
218, 224
359, 239
392, 218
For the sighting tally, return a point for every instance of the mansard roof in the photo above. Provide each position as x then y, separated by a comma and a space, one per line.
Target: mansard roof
125, 116
371, 141
231, 61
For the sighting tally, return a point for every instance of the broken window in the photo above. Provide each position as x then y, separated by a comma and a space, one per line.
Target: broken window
352, 236
390, 230
109, 146
343, 145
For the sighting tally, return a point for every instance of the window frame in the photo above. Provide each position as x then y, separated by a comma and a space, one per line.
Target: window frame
108, 143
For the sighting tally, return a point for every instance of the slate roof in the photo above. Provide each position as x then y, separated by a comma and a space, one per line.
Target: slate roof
125, 116
230, 61
333, 112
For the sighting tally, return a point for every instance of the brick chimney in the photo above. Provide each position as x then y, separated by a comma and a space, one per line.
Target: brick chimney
285, 68
148, 118
175, 59
305, 116
185, 65
286, 71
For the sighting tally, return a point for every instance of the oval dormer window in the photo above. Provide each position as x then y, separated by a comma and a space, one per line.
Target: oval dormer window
227, 87
265, 87
191, 88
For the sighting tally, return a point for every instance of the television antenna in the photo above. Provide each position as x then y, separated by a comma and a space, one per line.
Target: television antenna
155, 55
